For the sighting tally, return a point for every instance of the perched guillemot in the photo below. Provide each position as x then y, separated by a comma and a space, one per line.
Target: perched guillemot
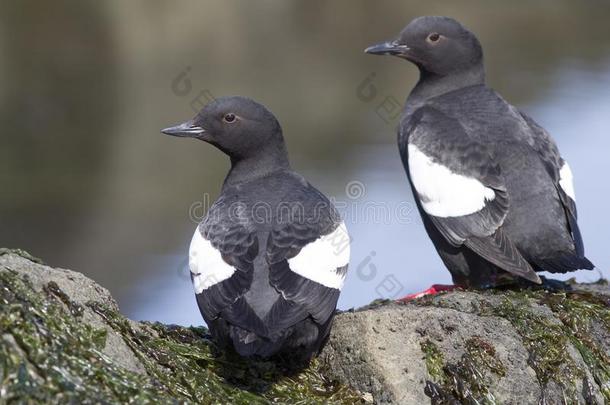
495, 195
269, 259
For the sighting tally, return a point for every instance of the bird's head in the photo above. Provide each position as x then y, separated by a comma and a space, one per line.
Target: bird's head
238, 126
437, 45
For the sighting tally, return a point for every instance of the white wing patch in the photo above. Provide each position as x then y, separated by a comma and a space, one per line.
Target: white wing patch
443, 193
321, 259
566, 180
206, 264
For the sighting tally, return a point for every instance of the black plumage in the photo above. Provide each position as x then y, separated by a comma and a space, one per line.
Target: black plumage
515, 213
249, 293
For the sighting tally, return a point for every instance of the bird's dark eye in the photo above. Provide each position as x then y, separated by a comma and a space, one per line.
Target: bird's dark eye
230, 117
434, 37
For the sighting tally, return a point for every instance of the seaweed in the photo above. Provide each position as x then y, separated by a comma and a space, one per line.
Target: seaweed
464, 381
578, 312
434, 360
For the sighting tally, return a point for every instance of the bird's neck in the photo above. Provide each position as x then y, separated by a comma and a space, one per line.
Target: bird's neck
264, 161
432, 85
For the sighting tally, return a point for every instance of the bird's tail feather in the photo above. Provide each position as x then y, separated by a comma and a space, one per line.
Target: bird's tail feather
302, 340
500, 251
564, 263
249, 344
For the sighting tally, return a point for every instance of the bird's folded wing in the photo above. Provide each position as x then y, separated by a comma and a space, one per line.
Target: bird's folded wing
561, 174
308, 260
460, 187
221, 261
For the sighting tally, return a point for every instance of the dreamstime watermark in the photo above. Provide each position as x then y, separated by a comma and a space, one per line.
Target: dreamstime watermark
387, 107
388, 288
182, 86
355, 190
339, 240
354, 209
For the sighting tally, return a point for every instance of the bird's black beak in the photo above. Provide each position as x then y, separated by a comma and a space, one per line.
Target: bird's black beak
387, 48
186, 129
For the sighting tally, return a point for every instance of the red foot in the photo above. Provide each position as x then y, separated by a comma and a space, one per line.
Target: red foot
434, 289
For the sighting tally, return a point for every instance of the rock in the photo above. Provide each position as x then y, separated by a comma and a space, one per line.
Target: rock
504, 347
77, 290
64, 340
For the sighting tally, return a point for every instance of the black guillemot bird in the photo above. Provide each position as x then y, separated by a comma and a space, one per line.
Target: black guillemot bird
495, 195
270, 257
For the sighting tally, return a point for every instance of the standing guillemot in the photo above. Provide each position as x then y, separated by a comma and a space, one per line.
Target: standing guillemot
495, 195
269, 259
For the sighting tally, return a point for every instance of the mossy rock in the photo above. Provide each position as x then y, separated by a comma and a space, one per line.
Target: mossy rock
56, 348
64, 341
524, 346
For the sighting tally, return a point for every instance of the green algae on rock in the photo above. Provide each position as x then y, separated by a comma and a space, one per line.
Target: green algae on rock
585, 315
434, 360
462, 381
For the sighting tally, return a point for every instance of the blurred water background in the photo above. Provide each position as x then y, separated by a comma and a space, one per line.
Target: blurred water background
87, 181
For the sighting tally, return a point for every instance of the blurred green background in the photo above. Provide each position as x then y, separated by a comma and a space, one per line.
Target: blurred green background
89, 183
